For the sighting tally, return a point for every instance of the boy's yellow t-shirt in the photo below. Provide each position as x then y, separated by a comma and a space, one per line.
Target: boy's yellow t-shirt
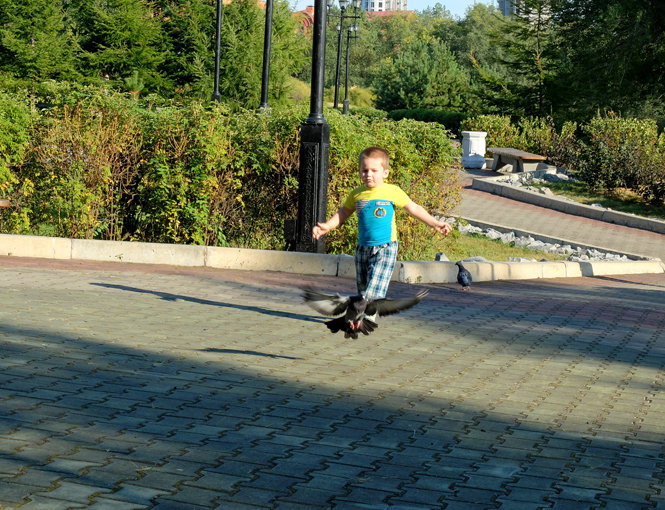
376, 212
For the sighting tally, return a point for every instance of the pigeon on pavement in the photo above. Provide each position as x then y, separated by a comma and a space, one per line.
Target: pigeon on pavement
353, 311
463, 276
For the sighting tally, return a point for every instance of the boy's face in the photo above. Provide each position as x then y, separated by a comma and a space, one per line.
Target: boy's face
372, 172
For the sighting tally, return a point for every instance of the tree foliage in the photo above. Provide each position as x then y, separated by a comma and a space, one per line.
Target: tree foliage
614, 56
36, 39
423, 75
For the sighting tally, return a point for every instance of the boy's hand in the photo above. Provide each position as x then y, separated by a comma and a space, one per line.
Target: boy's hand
319, 230
443, 228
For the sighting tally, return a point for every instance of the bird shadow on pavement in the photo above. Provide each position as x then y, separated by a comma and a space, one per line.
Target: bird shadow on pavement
247, 353
167, 296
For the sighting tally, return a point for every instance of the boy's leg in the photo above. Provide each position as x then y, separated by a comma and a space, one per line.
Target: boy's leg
362, 256
379, 269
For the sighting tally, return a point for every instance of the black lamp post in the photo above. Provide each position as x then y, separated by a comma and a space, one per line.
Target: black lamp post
314, 147
266, 56
216, 96
340, 28
352, 29
343, 5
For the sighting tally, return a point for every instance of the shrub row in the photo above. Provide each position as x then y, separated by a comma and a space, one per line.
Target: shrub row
608, 152
451, 120
104, 166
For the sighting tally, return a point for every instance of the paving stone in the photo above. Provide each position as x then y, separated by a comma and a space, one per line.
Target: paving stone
194, 388
75, 492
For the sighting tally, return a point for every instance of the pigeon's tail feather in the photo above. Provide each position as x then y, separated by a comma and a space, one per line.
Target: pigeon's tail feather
336, 325
367, 326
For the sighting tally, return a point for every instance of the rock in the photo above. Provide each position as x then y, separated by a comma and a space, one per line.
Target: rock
556, 177
475, 259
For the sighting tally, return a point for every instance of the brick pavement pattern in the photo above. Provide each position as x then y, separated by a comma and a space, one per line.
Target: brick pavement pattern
136, 387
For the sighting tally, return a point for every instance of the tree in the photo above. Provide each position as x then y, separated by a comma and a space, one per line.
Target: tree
530, 54
621, 63
119, 38
481, 57
423, 75
241, 60
188, 28
36, 41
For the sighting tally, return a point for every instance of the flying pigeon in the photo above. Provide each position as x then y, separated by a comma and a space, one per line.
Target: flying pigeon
463, 276
356, 310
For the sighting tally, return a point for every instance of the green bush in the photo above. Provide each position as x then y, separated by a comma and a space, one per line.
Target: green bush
79, 168
500, 131
540, 136
624, 152
369, 112
110, 167
361, 97
15, 120
451, 120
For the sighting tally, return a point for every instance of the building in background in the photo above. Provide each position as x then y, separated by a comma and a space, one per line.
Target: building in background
507, 7
384, 5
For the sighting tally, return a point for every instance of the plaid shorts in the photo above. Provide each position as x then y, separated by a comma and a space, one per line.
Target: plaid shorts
374, 268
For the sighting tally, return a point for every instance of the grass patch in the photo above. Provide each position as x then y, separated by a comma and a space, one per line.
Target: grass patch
621, 200
460, 246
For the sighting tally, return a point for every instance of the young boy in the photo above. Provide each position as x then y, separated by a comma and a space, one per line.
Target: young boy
375, 203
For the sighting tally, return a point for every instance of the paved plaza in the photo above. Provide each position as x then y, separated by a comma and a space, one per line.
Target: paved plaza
135, 387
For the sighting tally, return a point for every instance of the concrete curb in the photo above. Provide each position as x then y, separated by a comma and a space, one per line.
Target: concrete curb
302, 263
490, 185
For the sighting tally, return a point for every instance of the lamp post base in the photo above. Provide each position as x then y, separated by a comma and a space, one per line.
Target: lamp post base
313, 185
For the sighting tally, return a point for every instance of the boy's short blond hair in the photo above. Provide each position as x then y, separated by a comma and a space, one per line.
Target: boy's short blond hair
375, 152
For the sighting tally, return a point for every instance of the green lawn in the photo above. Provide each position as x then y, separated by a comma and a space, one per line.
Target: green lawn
458, 247
620, 200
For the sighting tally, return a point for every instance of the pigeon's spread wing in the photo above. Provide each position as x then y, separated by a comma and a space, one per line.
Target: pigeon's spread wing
326, 304
390, 306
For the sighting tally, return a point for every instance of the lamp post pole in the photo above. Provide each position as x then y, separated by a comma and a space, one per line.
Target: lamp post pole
340, 29
216, 96
266, 56
314, 147
352, 28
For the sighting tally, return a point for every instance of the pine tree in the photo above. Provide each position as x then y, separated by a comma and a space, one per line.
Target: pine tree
615, 56
530, 54
423, 75
120, 37
36, 40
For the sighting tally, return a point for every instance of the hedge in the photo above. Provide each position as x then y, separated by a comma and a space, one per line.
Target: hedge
102, 165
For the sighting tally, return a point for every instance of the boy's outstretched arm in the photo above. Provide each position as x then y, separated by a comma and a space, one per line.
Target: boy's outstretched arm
335, 221
419, 213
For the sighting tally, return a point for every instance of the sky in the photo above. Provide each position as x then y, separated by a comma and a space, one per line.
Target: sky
456, 7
